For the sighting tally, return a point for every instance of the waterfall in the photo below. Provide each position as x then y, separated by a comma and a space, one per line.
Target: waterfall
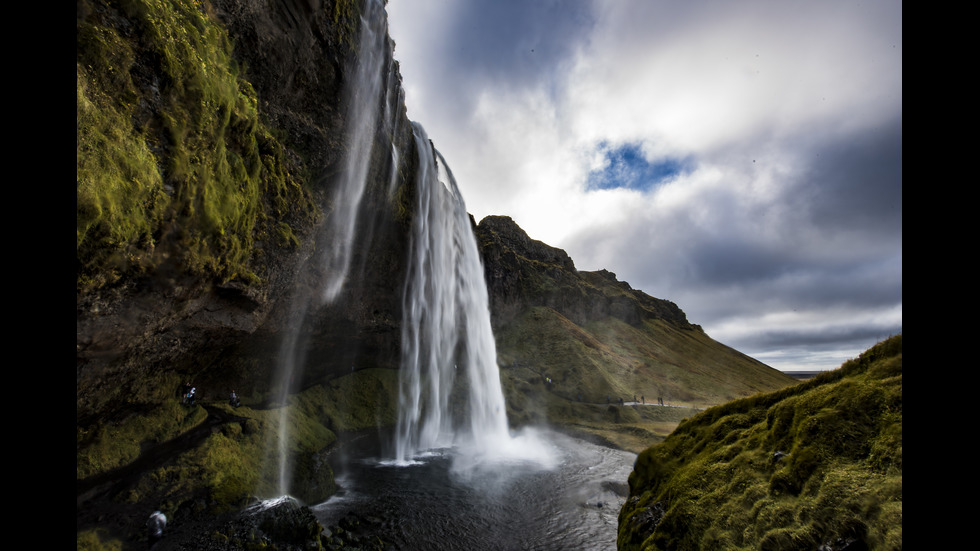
362, 116
362, 94
450, 391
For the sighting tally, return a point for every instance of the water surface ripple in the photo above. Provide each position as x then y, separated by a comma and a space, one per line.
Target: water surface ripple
436, 502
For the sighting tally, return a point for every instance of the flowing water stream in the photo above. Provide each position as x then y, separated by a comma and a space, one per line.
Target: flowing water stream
448, 349
361, 96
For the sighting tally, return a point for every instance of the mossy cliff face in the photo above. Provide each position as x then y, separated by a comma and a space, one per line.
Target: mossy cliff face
211, 136
814, 466
176, 169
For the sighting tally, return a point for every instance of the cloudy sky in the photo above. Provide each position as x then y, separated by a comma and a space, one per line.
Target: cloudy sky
741, 158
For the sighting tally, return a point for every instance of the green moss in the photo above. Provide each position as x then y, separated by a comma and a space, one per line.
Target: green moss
113, 444
120, 198
346, 15
720, 483
231, 475
97, 539
226, 468
367, 398
174, 164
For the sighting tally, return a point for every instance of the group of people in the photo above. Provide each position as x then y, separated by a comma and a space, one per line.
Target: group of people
643, 399
188, 394
609, 400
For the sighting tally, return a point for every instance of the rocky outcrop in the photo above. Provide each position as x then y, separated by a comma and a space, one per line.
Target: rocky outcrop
524, 273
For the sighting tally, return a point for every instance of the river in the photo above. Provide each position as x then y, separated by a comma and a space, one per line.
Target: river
567, 498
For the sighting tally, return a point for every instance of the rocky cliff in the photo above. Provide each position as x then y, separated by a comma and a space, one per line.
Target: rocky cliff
522, 272
171, 301
212, 141
212, 138
573, 345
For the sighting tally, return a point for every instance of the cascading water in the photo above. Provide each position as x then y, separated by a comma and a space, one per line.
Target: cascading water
450, 393
361, 121
362, 96
450, 398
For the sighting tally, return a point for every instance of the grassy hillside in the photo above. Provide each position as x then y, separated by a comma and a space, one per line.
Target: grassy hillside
815, 465
592, 367
572, 344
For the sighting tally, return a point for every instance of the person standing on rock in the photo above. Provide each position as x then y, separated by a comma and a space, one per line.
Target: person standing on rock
154, 528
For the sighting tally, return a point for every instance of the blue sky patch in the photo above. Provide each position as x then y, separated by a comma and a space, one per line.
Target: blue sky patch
626, 167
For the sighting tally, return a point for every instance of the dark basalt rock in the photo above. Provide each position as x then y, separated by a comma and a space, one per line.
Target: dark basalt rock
642, 524
285, 525
522, 273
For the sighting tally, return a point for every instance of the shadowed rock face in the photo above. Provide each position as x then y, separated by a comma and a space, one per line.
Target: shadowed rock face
523, 273
139, 336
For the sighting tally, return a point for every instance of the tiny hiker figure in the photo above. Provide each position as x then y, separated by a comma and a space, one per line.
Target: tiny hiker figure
154, 527
234, 401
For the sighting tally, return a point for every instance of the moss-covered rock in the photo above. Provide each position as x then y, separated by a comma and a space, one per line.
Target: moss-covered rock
174, 165
816, 465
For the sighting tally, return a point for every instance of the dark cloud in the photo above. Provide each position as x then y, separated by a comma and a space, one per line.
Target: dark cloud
855, 184
515, 41
857, 336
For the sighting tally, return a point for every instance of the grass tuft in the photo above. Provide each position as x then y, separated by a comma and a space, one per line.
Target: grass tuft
816, 464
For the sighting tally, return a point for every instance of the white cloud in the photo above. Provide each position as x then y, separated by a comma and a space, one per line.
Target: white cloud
787, 115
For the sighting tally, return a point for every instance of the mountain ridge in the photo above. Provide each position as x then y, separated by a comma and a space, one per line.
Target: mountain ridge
569, 340
580, 295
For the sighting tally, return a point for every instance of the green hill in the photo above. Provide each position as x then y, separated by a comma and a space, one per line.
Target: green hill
814, 466
572, 344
